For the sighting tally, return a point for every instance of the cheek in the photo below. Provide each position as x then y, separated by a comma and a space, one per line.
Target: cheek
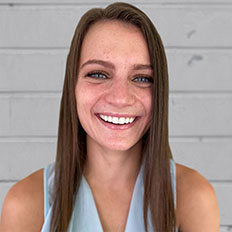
85, 99
82, 108
82, 94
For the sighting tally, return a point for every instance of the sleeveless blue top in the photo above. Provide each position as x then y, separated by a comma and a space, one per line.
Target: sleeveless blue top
85, 217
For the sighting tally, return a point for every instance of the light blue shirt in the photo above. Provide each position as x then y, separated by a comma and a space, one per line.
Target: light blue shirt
85, 217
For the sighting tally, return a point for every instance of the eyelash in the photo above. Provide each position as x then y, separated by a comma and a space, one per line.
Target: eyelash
101, 75
93, 75
146, 79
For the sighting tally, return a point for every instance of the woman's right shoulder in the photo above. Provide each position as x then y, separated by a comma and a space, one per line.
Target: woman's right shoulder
23, 207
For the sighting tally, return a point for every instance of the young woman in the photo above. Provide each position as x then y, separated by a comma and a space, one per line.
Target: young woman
114, 170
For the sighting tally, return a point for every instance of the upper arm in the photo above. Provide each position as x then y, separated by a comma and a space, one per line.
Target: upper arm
197, 206
22, 209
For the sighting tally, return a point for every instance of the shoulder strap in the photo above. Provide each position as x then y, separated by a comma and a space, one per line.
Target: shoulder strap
173, 176
48, 181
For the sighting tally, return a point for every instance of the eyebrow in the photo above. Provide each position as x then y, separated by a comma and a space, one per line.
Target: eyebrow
100, 62
108, 64
143, 66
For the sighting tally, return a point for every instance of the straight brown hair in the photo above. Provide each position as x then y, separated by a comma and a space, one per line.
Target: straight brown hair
71, 145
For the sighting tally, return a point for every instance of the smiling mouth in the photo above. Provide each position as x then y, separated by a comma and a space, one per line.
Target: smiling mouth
117, 120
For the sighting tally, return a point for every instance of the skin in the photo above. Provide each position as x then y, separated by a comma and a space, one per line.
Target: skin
114, 152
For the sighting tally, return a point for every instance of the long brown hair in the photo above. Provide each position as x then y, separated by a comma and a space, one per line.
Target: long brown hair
71, 146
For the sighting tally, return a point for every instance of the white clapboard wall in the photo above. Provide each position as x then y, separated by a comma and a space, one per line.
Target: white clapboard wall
34, 39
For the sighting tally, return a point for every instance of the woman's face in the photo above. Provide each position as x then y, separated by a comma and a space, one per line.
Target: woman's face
114, 86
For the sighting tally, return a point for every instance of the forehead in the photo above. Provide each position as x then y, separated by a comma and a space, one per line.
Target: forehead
114, 38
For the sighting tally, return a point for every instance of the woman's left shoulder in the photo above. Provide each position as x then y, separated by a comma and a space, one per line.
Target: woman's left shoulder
197, 207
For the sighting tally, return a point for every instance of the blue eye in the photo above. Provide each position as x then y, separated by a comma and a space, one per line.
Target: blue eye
97, 75
143, 79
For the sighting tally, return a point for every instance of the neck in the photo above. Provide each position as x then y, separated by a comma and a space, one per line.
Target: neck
104, 167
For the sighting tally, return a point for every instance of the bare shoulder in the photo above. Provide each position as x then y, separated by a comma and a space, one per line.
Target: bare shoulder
197, 207
22, 209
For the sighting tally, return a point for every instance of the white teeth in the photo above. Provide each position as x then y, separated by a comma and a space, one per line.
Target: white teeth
116, 120
122, 120
109, 119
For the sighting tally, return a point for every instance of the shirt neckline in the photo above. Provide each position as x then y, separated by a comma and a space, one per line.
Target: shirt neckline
86, 217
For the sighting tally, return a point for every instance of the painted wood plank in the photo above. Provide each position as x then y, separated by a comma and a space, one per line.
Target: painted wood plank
53, 26
224, 193
18, 159
101, 2
35, 115
211, 158
22, 156
189, 115
5, 114
189, 70
200, 115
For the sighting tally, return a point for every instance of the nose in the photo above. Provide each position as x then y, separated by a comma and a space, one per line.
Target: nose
120, 93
